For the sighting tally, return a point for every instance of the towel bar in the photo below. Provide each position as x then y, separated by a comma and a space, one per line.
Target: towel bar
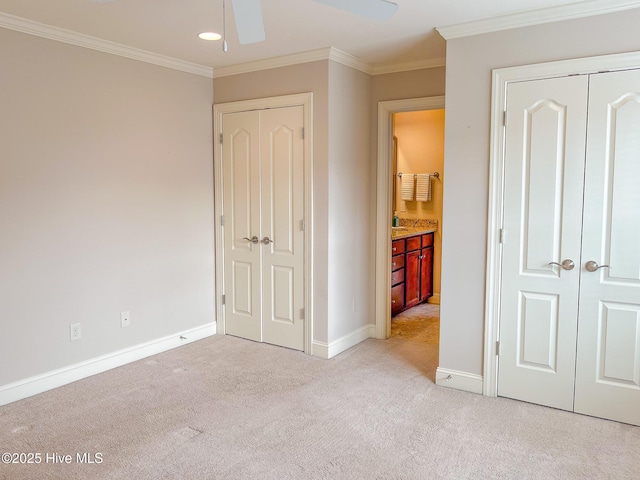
434, 174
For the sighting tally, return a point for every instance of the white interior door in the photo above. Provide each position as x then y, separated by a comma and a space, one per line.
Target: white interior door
608, 356
282, 223
242, 258
264, 236
544, 165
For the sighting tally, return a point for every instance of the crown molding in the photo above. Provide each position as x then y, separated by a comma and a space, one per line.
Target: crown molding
328, 53
384, 68
536, 17
30, 27
349, 60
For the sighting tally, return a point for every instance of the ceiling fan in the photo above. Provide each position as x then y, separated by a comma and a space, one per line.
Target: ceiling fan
250, 25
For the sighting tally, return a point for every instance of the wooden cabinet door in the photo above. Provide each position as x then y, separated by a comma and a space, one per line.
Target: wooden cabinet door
426, 273
412, 282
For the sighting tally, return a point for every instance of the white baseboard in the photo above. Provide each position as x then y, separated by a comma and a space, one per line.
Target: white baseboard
468, 382
324, 350
56, 378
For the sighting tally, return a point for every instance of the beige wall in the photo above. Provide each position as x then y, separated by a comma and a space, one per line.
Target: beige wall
106, 203
469, 64
350, 198
420, 149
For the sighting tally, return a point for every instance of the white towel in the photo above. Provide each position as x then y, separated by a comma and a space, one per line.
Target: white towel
423, 187
407, 181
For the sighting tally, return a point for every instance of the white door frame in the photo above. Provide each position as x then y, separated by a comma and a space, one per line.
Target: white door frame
384, 189
500, 80
306, 101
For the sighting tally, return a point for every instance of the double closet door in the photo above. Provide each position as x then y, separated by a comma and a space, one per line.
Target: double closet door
570, 294
263, 201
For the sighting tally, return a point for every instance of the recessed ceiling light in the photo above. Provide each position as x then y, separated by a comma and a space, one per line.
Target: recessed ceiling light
210, 36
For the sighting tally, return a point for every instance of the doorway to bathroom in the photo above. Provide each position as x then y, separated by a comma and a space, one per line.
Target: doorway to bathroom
410, 148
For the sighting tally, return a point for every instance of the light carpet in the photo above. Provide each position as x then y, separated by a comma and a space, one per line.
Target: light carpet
227, 408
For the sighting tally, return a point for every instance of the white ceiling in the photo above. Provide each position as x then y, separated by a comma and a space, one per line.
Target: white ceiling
170, 27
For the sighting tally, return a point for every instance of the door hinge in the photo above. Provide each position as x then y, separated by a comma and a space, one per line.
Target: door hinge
302, 225
498, 347
504, 118
220, 139
224, 299
303, 133
222, 220
302, 314
501, 236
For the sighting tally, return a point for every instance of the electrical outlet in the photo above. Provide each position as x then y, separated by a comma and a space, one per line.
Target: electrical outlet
125, 319
75, 332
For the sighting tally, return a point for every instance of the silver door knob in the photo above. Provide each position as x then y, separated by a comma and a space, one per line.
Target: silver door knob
253, 239
266, 240
592, 266
567, 264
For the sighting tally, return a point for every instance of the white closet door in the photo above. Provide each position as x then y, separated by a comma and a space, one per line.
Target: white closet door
242, 258
282, 150
608, 357
263, 161
544, 172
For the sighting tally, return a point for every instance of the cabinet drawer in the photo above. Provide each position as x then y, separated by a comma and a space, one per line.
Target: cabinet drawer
427, 239
397, 262
397, 246
413, 243
397, 299
397, 277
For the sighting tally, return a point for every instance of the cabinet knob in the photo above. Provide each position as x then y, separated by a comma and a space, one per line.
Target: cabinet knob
394, 249
393, 301
394, 264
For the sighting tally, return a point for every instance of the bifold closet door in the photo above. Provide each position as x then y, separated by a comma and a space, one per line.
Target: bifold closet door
608, 356
262, 155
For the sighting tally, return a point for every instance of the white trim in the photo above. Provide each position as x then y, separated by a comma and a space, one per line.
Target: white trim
536, 17
385, 68
469, 382
58, 34
326, 351
501, 78
349, 60
275, 62
384, 201
63, 376
306, 101
329, 53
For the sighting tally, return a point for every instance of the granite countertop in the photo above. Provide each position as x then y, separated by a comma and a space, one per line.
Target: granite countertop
409, 228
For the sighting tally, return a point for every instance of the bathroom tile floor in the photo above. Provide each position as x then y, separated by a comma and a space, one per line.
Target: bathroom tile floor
417, 333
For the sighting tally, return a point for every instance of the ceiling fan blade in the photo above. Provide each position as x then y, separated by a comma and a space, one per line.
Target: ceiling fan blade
249, 23
380, 10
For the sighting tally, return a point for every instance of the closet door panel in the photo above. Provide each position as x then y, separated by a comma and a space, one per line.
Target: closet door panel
544, 165
608, 357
